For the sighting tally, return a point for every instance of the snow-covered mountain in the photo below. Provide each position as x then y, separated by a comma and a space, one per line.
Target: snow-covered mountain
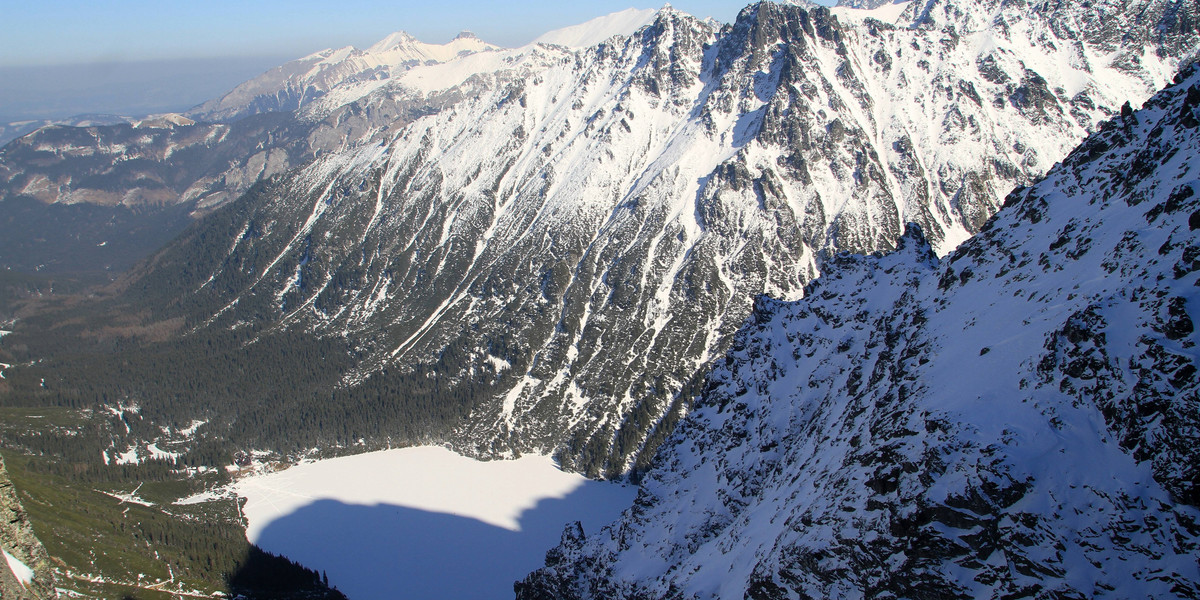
867, 4
571, 238
292, 86
599, 29
152, 174
1017, 419
122, 163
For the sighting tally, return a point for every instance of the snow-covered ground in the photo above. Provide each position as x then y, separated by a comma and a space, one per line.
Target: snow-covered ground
595, 31
19, 569
423, 522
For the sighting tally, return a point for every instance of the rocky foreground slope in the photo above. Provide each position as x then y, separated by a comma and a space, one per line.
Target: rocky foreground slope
1016, 420
26, 573
566, 247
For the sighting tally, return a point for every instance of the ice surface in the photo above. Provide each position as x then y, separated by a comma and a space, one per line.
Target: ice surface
395, 523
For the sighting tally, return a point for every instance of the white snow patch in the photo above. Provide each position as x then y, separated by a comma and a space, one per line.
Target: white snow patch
130, 497
391, 524
190, 430
888, 13
122, 408
510, 399
590, 33
202, 497
160, 454
19, 569
129, 457
498, 364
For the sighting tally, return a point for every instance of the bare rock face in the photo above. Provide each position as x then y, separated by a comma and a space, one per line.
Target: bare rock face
18, 541
1016, 419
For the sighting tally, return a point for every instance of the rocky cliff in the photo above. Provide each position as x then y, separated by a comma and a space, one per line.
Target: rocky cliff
26, 573
1016, 419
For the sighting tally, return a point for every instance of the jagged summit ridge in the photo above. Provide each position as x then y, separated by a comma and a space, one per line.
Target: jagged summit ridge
294, 85
1016, 419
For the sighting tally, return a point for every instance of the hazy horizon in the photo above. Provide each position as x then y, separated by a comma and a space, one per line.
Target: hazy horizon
128, 88
73, 32
63, 58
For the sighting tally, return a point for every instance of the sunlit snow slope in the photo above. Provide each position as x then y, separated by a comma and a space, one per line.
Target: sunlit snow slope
1018, 419
296, 84
599, 29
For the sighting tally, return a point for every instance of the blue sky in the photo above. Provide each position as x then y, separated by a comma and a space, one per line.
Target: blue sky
56, 32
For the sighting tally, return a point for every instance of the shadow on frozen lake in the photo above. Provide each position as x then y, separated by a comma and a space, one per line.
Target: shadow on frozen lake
392, 552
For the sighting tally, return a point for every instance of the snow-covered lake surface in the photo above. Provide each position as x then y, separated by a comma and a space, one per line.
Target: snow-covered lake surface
423, 523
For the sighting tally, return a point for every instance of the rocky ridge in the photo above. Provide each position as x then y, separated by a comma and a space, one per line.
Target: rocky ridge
1016, 419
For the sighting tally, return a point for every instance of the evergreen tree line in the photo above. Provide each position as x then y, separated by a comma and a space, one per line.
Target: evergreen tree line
279, 391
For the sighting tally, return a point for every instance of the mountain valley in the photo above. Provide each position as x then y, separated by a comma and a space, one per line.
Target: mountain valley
838, 287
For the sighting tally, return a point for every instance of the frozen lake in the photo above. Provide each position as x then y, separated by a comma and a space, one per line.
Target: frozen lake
423, 523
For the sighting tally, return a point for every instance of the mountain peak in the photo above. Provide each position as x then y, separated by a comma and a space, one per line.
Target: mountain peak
914, 241
393, 40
